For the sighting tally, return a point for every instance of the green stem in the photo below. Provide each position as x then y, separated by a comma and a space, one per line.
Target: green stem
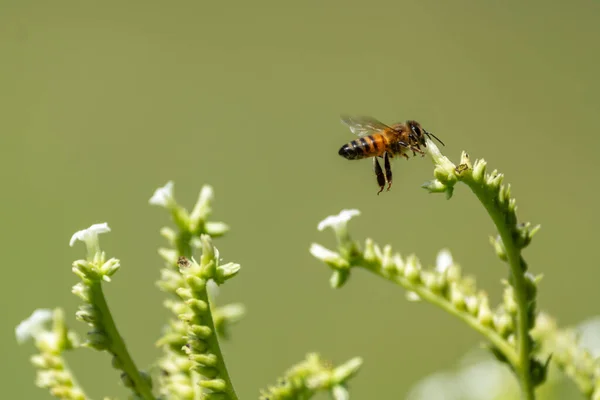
504, 223
513, 254
498, 341
116, 344
215, 348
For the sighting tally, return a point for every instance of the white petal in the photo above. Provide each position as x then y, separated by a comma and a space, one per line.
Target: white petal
33, 326
86, 234
206, 194
590, 335
443, 261
322, 253
336, 220
163, 196
412, 296
340, 393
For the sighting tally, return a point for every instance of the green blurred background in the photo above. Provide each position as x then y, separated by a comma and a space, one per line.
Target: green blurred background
102, 102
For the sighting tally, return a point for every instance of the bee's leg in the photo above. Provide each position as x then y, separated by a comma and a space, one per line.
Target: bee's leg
388, 169
405, 155
378, 174
417, 149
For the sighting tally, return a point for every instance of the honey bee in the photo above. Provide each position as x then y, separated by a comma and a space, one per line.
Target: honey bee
380, 140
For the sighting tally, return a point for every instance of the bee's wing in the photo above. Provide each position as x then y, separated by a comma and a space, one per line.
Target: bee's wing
363, 125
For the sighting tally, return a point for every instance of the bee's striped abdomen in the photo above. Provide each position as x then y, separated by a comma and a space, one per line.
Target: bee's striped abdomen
366, 146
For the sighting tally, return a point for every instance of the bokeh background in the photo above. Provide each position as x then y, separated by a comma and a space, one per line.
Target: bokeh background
102, 102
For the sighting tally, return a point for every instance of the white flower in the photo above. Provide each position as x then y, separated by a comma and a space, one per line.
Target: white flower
339, 392
322, 253
163, 196
202, 208
338, 221
89, 235
33, 326
207, 194
590, 335
327, 256
443, 260
412, 296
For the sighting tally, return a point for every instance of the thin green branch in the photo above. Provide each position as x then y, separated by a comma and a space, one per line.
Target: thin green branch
512, 239
443, 286
513, 255
116, 344
445, 304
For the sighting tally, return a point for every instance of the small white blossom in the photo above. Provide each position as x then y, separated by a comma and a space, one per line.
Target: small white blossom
33, 326
590, 335
443, 260
89, 234
163, 196
202, 208
412, 296
207, 194
338, 221
323, 253
472, 303
339, 392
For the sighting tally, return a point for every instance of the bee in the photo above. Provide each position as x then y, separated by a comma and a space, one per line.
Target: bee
380, 140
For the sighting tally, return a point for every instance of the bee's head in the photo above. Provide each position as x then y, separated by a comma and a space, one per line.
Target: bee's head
418, 133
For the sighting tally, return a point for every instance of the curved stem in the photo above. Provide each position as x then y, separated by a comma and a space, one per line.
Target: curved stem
513, 255
498, 341
117, 345
215, 348
502, 211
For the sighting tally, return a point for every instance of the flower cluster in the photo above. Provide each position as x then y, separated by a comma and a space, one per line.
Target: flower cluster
191, 361
94, 311
313, 375
53, 373
444, 285
574, 351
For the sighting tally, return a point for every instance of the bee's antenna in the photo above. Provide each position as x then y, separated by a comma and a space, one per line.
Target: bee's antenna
432, 135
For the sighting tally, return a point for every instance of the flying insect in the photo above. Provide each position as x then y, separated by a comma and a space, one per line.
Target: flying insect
379, 140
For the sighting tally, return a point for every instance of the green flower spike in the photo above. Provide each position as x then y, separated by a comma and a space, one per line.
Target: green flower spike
313, 375
512, 238
443, 286
104, 335
574, 351
178, 378
52, 370
202, 345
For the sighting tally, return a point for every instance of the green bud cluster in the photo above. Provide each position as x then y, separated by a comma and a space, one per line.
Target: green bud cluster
563, 348
201, 344
512, 238
94, 312
444, 286
181, 345
52, 370
313, 375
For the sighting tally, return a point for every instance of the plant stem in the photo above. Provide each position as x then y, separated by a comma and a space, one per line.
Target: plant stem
117, 345
215, 348
513, 254
498, 341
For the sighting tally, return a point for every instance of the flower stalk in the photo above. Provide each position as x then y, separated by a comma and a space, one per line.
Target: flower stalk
305, 379
512, 238
95, 312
